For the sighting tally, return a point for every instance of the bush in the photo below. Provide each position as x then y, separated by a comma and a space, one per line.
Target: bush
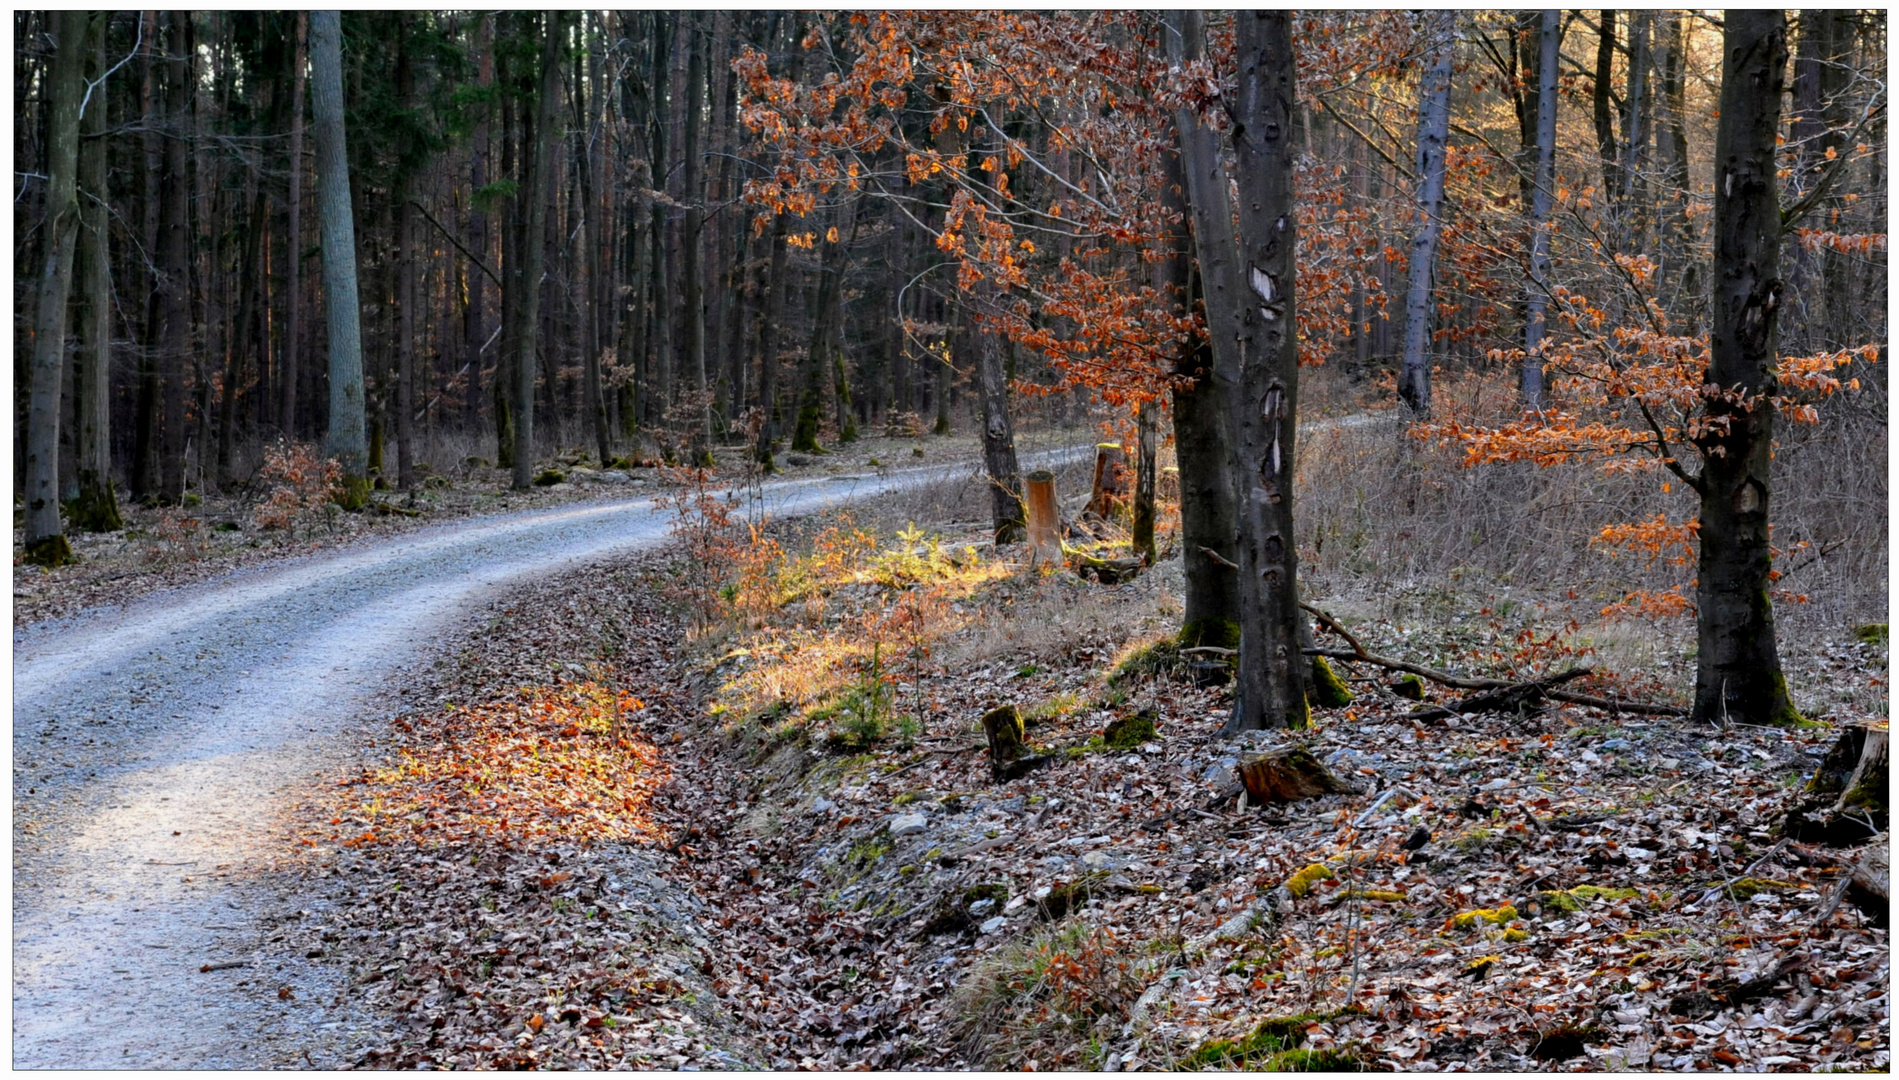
301, 483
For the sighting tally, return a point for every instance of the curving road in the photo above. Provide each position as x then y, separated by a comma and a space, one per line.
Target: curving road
157, 748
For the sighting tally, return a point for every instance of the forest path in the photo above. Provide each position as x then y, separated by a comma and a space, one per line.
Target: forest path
159, 751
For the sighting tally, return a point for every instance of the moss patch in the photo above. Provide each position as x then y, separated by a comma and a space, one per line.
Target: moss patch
1327, 691
1747, 888
1063, 899
549, 477
1576, 899
1409, 687
1301, 883
1872, 634
1129, 732
1498, 915
1150, 661
1217, 633
1383, 896
1271, 1047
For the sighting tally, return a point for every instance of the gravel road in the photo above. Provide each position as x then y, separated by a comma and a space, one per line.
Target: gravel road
157, 751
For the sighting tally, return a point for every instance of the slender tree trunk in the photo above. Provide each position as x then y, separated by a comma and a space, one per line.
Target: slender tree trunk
342, 309
592, 232
998, 443
474, 316
1271, 691
45, 540
1737, 669
693, 159
824, 310
660, 345
1818, 78
175, 258
145, 424
1434, 129
97, 507
241, 337
1604, 112
1144, 461
1636, 113
533, 255
293, 277
1539, 283
405, 282
1677, 266
1209, 529
776, 285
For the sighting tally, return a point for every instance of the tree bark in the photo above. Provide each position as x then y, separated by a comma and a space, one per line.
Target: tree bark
1144, 460
1737, 674
998, 443
175, 259
1434, 129
97, 507
1602, 107
1671, 140
45, 540
145, 424
342, 309
293, 276
660, 344
1271, 675
533, 253
1818, 80
693, 270
405, 281
1044, 518
776, 287
1208, 520
1537, 306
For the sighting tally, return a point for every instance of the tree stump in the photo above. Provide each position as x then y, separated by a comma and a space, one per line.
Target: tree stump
1045, 518
1283, 776
1845, 801
1111, 480
1009, 757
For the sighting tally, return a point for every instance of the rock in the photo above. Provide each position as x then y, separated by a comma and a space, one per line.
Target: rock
562, 486
611, 476
909, 824
993, 924
822, 805
1616, 744
1098, 860
983, 906
1289, 775
1222, 773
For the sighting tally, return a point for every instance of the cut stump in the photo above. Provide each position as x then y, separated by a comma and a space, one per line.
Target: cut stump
1045, 518
1009, 757
1283, 776
1111, 480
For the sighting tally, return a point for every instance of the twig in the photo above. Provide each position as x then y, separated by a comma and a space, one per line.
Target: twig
1219, 558
1751, 867
1336, 627
1360, 821
225, 966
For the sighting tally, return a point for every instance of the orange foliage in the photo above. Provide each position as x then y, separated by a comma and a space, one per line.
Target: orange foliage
559, 761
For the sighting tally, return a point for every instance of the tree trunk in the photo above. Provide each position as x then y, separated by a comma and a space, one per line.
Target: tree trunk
45, 540
175, 259
998, 443
405, 282
1271, 675
1208, 520
293, 279
145, 424
825, 313
1143, 538
691, 251
97, 507
1434, 129
776, 287
1044, 518
241, 337
1737, 674
1677, 265
533, 253
1603, 111
593, 243
1540, 197
660, 344
1818, 79
342, 309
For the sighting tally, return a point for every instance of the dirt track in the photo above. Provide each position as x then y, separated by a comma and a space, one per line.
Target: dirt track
157, 749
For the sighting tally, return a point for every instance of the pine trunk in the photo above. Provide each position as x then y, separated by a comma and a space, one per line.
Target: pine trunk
533, 250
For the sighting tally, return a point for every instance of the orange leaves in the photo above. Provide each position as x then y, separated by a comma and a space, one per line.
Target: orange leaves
552, 761
1653, 538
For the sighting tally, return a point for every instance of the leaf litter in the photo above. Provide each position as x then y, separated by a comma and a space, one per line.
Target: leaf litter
595, 842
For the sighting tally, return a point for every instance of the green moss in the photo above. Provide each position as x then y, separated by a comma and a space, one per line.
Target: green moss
870, 849
1498, 915
549, 477
354, 494
1153, 660
1129, 732
1302, 882
1747, 888
49, 551
1063, 899
1409, 687
1383, 896
1216, 633
1576, 899
1271, 1047
97, 507
1327, 691
1515, 934
1328, 1060
1872, 634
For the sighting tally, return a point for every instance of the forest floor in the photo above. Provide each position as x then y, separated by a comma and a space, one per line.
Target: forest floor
164, 547
618, 826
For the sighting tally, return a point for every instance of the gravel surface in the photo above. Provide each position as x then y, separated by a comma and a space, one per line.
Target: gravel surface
158, 748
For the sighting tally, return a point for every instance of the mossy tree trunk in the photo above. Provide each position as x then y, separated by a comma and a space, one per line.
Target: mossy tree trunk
1143, 540
45, 540
1737, 673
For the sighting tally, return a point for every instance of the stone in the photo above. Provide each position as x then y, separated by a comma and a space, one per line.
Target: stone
993, 924
1616, 744
611, 476
1098, 860
908, 824
822, 805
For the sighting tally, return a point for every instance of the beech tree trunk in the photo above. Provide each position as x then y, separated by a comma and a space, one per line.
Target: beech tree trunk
1737, 673
45, 540
145, 422
1209, 523
96, 509
174, 242
1143, 524
768, 328
1540, 198
1601, 107
1434, 130
348, 436
998, 443
1271, 675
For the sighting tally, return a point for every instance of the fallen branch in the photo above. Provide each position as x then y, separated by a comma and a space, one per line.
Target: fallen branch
225, 966
1466, 682
1511, 697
